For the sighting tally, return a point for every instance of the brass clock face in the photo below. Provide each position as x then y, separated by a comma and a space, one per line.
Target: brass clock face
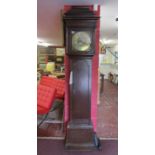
81, 41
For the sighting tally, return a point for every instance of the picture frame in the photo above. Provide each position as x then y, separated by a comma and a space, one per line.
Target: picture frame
103, 50
60, 51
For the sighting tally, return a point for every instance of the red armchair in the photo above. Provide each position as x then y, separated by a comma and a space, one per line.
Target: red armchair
58, 84
45, 100
50, 89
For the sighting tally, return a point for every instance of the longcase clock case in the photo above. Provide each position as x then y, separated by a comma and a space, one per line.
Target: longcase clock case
80, 134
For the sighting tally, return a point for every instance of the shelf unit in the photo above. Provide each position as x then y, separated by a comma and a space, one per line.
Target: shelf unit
50, 54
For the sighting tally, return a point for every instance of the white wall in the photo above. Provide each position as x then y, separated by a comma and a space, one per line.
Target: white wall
115, 48
107, 62
106, 68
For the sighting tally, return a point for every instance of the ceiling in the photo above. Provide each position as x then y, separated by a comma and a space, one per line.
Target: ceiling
49, 20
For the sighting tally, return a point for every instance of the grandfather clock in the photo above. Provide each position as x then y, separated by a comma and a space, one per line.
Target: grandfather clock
79, 27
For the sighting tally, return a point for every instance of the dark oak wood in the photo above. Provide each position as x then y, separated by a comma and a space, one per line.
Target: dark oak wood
81, 87
80, 134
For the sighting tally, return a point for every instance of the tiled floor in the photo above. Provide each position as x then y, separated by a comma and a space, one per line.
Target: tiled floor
106, 116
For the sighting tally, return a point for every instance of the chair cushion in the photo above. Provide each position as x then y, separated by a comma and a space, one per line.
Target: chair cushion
41, 110
45, 98
58, 84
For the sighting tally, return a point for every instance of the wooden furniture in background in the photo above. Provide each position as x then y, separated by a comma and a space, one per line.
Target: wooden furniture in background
102, 83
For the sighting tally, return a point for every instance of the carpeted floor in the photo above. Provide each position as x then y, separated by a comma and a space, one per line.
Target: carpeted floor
56, 147
107, 111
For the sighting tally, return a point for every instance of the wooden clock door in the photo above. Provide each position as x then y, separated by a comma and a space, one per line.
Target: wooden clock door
80, 20
80, 88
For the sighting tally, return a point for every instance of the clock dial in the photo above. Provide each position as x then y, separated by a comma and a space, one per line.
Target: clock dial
81, 41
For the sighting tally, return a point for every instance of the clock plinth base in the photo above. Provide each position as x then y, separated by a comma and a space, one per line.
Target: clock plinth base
80, 136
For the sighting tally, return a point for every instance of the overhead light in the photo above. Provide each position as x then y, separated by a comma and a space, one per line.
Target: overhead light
95, 7
108, 41
42, 43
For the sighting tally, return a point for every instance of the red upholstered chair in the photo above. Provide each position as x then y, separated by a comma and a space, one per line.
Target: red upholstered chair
45, 99
58, 84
